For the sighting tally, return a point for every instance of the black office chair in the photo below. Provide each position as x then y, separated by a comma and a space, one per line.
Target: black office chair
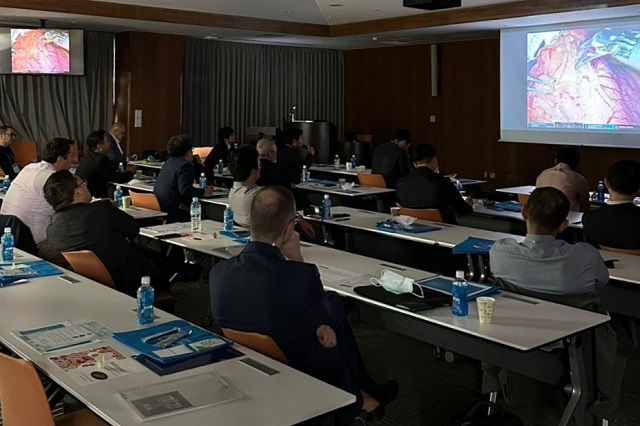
21, 233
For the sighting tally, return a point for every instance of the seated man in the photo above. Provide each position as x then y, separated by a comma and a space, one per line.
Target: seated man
423, 188
226, 145
175, 182
288, 302
391, 159
96, 168
244, 167
272, 172
290, 154
7, 159
617, 224
116, 136
542, 263
25, 198
79, 224
564, 177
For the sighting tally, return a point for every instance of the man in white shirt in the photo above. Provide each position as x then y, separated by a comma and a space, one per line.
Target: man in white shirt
245, 169
25, 197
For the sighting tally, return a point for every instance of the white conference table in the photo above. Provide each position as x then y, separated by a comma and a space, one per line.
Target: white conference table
358, 191
524, 189
147, 164
284, 398
140, 185
140, 213
330, 168
575, 218
522, 325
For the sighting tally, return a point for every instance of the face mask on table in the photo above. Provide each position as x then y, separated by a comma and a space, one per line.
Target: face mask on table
396, 283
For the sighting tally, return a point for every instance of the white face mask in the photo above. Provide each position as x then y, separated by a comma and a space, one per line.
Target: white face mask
396, 283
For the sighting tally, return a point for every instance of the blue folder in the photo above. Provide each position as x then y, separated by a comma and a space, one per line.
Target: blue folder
35, 269
323, 182
416, 228
232, 235
473, 245
508, 206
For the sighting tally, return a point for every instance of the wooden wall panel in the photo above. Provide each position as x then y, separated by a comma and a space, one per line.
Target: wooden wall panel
390, 88
149, 77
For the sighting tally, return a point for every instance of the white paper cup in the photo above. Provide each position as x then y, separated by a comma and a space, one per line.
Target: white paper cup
486, 306
395, 211
347, 165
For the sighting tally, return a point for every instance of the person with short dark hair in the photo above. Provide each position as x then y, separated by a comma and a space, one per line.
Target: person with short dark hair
25, 198
617, 224
543, 263
96, 168
288, 303
79, 224
391, 159
245, 169
175, 182
8, 163
424, 188
564, 177
294, 155
222, 149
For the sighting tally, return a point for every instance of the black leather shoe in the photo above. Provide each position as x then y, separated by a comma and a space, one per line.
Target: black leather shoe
388, 393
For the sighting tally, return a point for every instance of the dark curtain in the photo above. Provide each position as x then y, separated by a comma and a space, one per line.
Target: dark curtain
242, 85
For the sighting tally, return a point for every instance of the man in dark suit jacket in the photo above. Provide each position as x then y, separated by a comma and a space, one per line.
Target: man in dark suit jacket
116, 136
96, 169
272, 172
79, 224
424, 188
7, 160
391, 160
617, 224
268, 289
290, 156
226, 144
174, 184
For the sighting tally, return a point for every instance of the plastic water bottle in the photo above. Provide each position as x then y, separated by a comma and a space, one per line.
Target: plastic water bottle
460, 292
196, 214
600, 192
458, 184
120, 168
336, 162
146, 296
304, 178
203, 180
220, 167
228, 219
354, 162
7, 245
326, 207
117, 196
6, 183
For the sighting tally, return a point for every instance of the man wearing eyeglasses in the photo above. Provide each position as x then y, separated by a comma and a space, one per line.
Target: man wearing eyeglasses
117, 134
8, 163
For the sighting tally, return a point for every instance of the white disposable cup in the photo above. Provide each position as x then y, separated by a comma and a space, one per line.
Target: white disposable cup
348, 165
126, 202
395, 211
486, 306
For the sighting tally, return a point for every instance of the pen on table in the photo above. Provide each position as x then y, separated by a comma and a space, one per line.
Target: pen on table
160, 334
340, 219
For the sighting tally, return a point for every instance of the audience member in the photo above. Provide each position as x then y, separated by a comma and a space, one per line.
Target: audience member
289, 304
8, 163
226, 144
79, 224
25, 198
272, 172
617, 224
96, 169
293, 155
174, 184
423, 188
116, 136
542, 263
245, 169
391, 159
564, 177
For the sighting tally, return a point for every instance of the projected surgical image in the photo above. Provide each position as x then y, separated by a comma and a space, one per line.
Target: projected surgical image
584, 79
40, 51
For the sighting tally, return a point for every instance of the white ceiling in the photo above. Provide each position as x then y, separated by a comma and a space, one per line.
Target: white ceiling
322, 12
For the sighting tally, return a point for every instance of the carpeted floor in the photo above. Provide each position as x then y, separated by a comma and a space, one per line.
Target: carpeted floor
430, 390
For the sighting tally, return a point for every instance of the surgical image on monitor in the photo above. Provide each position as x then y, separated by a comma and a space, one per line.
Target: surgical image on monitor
40, 51
584, 79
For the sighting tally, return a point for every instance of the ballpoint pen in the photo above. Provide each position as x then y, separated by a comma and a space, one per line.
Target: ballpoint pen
161, 334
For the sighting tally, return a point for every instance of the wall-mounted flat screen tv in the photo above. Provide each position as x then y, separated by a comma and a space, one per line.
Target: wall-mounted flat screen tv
41, 51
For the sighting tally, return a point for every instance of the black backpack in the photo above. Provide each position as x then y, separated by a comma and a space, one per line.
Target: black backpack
476, 415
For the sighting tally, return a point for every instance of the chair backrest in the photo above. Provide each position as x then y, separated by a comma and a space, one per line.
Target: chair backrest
25, 152
21, 233
145, 200
364, 138
202, 152
523, 198
635, 252
87, 264
258, 342
22, 397
369, 179
433, 215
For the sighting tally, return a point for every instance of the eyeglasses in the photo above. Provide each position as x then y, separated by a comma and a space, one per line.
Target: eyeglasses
12, 135
83, 182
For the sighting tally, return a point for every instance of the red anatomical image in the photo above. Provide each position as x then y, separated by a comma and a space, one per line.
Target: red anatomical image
585, 77
40, 51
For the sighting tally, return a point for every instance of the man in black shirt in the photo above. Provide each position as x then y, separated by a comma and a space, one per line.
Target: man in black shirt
7, 160
290, 157
391, 159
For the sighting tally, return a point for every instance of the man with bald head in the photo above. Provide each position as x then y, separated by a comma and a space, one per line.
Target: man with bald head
271, 171
116, 136
269, 289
